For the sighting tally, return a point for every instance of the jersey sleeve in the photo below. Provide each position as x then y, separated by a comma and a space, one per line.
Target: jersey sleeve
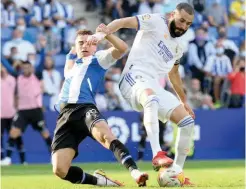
105, 58
147, 22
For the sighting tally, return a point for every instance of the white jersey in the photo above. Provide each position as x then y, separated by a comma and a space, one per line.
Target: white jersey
154, 51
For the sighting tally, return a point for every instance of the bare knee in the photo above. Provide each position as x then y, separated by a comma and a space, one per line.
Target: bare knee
178, 114
15, 132
60, 169
61, 161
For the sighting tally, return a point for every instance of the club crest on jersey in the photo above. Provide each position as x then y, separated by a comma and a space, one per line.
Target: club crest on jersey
164, 52
146, 17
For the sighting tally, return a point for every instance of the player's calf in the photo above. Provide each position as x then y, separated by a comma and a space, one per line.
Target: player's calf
61, 161
102, 134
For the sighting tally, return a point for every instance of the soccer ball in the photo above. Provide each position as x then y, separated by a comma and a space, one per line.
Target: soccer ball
171, 177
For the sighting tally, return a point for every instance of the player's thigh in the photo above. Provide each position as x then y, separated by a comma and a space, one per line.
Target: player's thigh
97, 126
178, 114
102, 133
143, 88
19, 124
167, 104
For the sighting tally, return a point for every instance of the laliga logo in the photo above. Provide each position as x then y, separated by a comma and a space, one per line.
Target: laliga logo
119, 128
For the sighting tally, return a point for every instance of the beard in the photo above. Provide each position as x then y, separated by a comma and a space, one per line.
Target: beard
176, 31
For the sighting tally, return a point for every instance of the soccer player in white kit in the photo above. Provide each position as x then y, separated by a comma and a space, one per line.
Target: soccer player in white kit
156, 51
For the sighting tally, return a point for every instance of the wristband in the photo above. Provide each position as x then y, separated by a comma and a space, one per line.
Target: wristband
71, 56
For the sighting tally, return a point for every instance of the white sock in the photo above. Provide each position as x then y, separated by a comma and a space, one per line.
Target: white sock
151, 123
183, 140
135, 173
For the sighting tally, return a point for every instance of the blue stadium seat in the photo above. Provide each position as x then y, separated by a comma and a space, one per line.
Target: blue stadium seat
6, 33
31, 34
233, 32
60, 60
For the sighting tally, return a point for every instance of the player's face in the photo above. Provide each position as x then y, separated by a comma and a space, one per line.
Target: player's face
180, 22
82, 49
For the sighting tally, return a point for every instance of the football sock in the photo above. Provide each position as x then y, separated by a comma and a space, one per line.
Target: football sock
121, 153
151, 123
48, 143
20, 147
183, 140
77, 176
10, 148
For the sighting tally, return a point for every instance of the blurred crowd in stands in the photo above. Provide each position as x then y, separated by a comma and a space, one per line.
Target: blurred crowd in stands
212, 68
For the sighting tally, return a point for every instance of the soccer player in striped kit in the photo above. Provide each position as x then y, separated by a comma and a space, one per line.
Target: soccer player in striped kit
79, 117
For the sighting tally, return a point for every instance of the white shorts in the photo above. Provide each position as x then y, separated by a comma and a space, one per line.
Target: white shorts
133, 84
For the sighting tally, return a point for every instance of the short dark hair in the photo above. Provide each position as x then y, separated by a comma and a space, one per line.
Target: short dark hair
186, 6
83, 32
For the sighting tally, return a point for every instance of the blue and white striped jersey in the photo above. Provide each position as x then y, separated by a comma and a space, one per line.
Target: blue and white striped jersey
82, 81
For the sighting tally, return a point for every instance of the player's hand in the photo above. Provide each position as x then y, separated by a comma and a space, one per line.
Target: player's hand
103, 29
189, 110
93, 40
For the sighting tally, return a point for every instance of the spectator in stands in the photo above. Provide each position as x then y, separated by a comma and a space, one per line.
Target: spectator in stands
242, 53
125, 8
21, 24
9, 14
200, 17
37, 13
237, 79
196, 98
51, 34
237, 13
217, 14
8, 109
218, 66
23, 47
32, 59
150, 6
231, 49
29, 93
23, 3
24, 13
199, 51
113, 102
59, 12
91, 5
52, 81
108, 7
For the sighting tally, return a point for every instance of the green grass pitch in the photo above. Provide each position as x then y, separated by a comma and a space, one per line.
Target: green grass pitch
205, 174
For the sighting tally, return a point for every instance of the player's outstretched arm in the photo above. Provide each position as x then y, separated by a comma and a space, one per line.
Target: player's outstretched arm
119, 46
128, 22
178, 87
